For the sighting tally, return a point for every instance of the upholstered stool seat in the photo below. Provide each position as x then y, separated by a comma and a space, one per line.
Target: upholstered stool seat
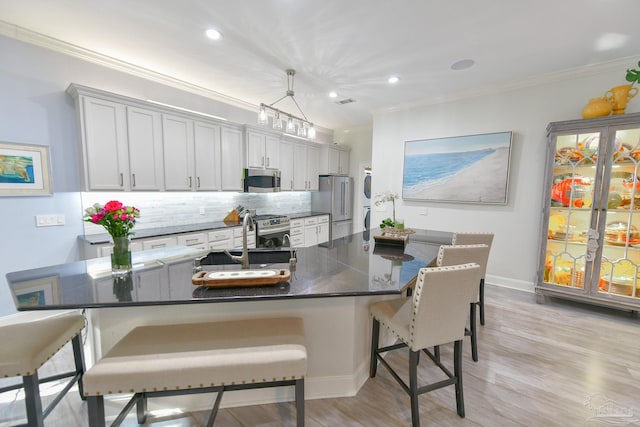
200, 357
28, 341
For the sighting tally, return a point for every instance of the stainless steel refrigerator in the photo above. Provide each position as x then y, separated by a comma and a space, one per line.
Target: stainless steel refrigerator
335, 197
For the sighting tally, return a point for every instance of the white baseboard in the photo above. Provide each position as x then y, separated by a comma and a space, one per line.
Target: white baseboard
505, 282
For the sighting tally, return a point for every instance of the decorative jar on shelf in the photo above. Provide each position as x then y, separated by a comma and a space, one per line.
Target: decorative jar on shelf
597, 107
619, 96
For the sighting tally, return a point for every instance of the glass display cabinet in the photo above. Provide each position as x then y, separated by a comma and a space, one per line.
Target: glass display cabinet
590, 246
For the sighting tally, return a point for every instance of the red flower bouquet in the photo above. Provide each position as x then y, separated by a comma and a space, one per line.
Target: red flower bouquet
115, 217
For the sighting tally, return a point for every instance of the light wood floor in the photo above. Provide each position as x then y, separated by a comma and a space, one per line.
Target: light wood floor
552, 364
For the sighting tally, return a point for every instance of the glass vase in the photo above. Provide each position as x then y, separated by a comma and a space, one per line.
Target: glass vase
121, 256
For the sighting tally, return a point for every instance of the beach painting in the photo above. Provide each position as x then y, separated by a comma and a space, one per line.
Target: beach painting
460, 169
24, 170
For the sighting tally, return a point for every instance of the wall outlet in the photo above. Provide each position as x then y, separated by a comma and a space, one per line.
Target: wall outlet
49, 220
425, 212
201, 211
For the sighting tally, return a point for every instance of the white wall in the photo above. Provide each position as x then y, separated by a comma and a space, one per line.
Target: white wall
526, 112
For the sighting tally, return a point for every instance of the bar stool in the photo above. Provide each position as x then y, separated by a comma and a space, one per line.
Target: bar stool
28, 341
436, 314
454, 255
475, 239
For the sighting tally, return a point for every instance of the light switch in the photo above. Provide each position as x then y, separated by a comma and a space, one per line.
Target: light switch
49, 220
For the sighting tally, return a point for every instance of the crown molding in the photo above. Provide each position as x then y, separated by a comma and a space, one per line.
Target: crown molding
56, 45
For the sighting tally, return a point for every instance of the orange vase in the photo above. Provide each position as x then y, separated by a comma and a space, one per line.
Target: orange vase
597, 107
619, 96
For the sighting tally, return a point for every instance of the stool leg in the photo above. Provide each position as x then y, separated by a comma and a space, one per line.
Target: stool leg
457, 372
375, 336
95, 407
413, 387
32, 401
482, 302
300, 403
141, 409
78, 357
474, 333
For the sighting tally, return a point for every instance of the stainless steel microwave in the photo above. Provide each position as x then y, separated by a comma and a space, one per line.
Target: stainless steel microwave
261, 180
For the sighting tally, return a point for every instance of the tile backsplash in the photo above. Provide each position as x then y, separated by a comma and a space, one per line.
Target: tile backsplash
159, 209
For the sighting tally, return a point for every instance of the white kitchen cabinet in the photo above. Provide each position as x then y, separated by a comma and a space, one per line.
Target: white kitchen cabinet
316, 230
144, 137
159, 242
191, 154
207, 156
99, 251
286, 166
220, 238
232, 161
195, 240
263, 150
121, 145
305, 167
296, 232
177, 141
335, 160
103, 132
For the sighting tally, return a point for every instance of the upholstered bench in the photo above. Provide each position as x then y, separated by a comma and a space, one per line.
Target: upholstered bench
163, 360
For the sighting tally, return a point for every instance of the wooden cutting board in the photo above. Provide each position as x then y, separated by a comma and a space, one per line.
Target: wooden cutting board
230, 278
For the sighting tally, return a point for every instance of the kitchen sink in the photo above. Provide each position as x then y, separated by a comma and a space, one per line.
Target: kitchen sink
256, 257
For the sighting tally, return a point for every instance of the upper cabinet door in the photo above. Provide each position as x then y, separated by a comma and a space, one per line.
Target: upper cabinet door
272, 152
286, 166
104, 134
232, 163
256, 156
313, 168
145, 149
207, 156
179, 171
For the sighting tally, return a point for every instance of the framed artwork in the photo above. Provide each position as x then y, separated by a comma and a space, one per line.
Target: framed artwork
37, 292
24, 170
460, 169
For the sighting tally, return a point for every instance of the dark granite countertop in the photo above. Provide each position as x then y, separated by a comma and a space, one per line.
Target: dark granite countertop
349, 266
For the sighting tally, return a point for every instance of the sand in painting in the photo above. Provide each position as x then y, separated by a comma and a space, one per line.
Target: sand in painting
483, 181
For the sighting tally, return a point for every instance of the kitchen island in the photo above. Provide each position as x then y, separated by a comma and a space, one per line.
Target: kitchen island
330, 288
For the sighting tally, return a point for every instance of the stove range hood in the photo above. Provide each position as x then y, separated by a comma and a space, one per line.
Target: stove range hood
261, 180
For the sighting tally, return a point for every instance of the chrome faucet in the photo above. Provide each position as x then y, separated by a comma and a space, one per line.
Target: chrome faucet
244, 258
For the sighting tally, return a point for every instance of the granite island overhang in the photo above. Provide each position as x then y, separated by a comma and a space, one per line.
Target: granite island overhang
346, 267
330, 289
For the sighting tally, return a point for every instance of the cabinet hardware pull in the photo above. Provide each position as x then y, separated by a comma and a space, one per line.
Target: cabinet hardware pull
262, 160
267, 162
121, 179
292, 184
190, 183
198, 182
133, 178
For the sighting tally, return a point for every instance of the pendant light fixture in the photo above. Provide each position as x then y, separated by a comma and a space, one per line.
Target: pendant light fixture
303, 127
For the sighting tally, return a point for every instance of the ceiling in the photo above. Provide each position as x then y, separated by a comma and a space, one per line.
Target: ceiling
347, 46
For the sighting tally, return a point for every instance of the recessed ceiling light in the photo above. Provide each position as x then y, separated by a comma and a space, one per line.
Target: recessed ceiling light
463, 64
393, 79
333, 94
213, 34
